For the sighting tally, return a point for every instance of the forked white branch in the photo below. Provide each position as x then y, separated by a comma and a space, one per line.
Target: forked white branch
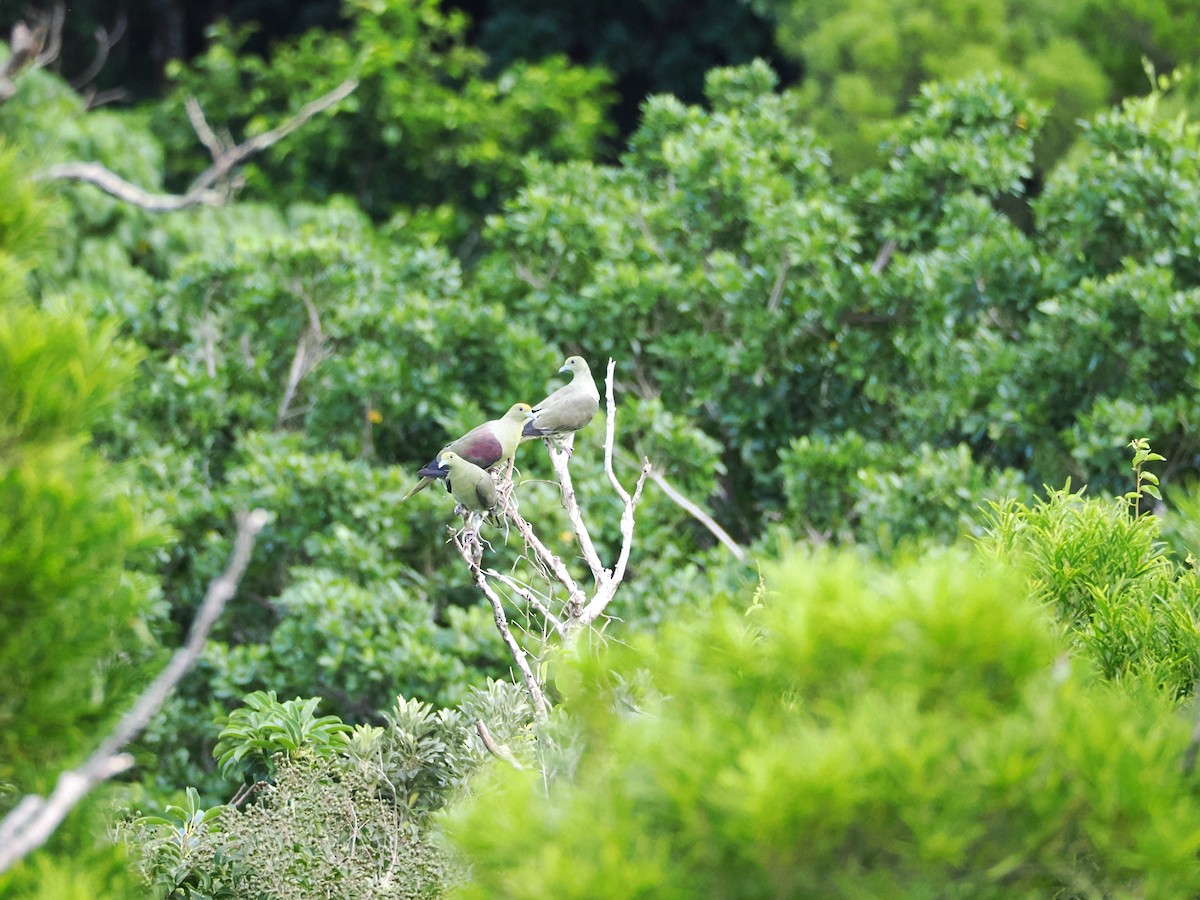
580, 608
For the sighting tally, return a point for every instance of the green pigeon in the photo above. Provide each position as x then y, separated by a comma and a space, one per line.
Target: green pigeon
471, 486
482, 446
569, 408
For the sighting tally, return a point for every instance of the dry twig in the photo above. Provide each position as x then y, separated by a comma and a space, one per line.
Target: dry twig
35, 818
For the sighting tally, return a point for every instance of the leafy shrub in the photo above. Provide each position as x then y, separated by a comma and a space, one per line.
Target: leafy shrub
1127, 603
861, 732
74, 612
883, 498
346, 811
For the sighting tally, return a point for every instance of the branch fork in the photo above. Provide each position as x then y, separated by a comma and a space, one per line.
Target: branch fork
580, 609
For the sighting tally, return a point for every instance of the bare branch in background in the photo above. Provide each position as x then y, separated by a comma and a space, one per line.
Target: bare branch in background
105, 41
493, 748
697, 512
32, 46
215, 145
310, 350
215, 185
36, 818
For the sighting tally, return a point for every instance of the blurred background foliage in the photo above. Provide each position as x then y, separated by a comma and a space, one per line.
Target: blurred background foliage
862, 267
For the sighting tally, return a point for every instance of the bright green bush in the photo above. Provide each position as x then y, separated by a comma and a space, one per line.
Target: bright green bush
859, 733
875, 495
74, 614
1127, 603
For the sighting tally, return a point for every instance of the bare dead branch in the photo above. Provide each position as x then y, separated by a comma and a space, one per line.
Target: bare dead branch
698, 513
195, 113
237, 155
465, 541
310, 350
608, 588
114, 185
548, 560
527, 276
245, 792
31, 46
493, 748
35, 818
655, 248
526, 593
884, 257
105, 41
559, 461
201, 191
785, 266
53, 44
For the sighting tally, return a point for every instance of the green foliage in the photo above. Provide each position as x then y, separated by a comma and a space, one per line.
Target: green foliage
1128, 605
860, 733
346, 812
865, 60
883, 498
425, 127
317, 830
73, 613
1145, 482
870, 358
664, 47
265, 727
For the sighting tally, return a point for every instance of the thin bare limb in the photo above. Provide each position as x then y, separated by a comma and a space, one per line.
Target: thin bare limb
114, 185
201, 191
493, 748
105, 41
785, 266
465, 541
608, 588
575, 595
884, 256
655, 248
697, 513
31, 46
195, 113
235, 156
35, 818
526, 593
310, 350
559, 460
526, 275
53, 45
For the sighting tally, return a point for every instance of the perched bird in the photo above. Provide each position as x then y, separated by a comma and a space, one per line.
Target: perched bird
569, 408
472, 486
483, 446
